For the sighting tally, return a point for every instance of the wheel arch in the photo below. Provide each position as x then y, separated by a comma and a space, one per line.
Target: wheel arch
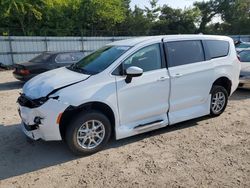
224, 82
72, 111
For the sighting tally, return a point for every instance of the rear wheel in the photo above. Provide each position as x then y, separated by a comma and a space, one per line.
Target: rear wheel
88, 133
219, 99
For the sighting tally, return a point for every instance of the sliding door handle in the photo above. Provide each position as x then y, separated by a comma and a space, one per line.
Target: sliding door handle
177, 75
162, 78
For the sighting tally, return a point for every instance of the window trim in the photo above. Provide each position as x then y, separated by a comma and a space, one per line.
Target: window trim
191, 40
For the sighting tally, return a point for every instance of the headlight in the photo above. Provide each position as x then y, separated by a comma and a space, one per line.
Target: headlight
23, 100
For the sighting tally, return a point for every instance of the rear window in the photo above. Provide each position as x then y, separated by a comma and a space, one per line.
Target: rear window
41, 58
184, 52
216, 48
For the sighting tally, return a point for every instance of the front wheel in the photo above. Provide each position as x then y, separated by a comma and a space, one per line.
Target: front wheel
219, 99
88, 133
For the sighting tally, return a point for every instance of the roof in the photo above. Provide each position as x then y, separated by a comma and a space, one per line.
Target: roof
137, 40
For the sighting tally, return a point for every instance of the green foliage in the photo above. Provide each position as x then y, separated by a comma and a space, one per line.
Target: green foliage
116, 17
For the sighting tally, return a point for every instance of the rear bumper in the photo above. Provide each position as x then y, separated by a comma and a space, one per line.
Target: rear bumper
47, 129
23, 77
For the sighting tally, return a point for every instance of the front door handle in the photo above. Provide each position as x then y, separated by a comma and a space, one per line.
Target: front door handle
177, 75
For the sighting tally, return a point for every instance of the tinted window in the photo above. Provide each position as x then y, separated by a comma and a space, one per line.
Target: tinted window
245, 56
184, 52
217, 48
41, 58
148, 58
99, 60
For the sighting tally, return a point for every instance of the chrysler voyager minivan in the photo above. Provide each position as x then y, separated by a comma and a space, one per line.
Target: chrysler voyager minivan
129, 87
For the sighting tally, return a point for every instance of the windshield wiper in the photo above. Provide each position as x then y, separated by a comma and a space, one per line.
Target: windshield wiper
76, 68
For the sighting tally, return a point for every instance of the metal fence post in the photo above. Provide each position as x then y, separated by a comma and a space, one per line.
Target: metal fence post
82, 41
46, 43
11, 50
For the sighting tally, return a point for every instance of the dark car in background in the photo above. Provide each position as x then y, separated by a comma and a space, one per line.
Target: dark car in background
45, 62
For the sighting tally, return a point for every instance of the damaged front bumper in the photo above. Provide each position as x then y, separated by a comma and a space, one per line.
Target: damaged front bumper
41, 122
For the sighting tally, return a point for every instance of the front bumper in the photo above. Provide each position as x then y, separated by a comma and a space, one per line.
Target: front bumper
47, 129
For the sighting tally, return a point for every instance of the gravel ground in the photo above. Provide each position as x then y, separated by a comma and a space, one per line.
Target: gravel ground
205, 152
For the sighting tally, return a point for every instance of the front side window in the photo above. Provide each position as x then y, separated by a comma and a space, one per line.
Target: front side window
99, 60
147, 58
44, 57
245, 56
184, 52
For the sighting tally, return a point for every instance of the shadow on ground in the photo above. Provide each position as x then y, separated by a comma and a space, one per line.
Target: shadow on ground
18, 156
240, 94
11, 85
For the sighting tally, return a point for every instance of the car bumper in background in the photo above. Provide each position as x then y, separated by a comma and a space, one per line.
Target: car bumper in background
23, 77
244, 82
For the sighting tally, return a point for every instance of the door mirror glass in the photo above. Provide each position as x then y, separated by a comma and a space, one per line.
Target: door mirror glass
133, 72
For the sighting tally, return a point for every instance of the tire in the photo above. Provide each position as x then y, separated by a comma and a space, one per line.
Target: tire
219, 100
81, 134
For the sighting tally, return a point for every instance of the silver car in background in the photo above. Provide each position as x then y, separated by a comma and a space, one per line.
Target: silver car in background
245, 68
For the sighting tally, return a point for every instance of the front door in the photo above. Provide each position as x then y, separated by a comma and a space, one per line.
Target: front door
145, 99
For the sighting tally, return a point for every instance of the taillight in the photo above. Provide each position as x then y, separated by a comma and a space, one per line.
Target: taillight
24, 71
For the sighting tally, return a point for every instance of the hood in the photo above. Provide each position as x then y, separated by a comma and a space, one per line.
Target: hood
45, 83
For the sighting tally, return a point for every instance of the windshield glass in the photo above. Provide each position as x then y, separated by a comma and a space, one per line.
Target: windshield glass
41, 58
99, 60
245, 56
243, 45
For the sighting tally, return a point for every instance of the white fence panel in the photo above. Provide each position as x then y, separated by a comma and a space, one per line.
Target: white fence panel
20, 49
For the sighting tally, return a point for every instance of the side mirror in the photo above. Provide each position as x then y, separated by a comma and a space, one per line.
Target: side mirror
133, 72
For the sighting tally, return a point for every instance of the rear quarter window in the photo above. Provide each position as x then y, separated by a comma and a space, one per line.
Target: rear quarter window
216, 48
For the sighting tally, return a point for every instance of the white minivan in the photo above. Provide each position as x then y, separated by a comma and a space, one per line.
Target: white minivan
129, 87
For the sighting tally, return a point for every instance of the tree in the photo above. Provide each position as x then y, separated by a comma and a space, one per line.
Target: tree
176, 21
21, 13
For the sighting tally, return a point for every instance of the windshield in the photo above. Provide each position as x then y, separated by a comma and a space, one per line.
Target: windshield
243, 45
245, 56
41, 58
99, 60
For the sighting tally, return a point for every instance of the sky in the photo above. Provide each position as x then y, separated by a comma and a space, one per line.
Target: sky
172, 3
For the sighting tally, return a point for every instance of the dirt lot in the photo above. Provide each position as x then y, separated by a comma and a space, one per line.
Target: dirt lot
199, 153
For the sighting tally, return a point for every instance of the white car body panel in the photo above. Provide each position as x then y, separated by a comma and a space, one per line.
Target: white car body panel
190, 94
147, 99
135, 102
